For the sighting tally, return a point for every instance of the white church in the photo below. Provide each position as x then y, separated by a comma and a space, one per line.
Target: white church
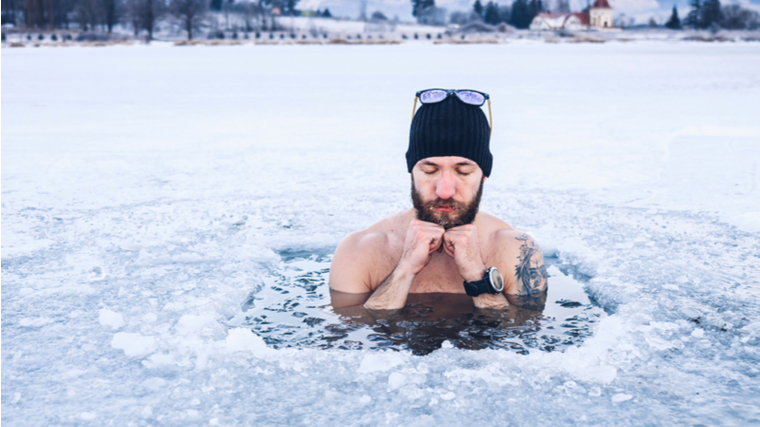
598, 16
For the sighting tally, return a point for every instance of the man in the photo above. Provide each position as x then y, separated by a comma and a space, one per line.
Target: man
443, 244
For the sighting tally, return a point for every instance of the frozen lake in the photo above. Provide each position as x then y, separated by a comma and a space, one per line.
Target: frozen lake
149, 192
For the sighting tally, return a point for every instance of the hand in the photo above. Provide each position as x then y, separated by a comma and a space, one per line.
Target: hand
461, 243
422, 239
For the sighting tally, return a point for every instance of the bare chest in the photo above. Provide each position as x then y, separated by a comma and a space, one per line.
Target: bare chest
440, 275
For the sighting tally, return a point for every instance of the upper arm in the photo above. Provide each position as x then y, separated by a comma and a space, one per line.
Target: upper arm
350, 270
523, 264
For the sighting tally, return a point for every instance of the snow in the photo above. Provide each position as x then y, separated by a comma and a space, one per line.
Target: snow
110, 318
148, 191
133, 344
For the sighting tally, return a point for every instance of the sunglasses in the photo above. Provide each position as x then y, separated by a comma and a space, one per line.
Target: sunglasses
469, 97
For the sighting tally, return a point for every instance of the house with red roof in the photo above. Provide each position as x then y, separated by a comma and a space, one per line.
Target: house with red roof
597, 16
560, 21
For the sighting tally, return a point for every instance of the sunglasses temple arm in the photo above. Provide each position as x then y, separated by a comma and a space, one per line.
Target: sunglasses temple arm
414, 108
490, 118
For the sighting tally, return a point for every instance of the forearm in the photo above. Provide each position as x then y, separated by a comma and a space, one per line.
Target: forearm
392, 293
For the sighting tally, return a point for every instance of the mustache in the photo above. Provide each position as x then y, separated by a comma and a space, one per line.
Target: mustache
449, 203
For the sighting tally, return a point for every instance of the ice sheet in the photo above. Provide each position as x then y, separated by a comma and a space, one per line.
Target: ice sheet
147, 191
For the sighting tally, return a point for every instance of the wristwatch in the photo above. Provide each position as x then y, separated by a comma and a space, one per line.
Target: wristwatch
491, 283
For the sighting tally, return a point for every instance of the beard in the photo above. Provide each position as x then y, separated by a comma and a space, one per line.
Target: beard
465, 212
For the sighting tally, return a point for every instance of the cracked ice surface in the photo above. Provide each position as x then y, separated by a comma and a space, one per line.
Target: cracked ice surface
147, 191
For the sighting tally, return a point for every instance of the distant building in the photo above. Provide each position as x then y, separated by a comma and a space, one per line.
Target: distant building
600, 14
560, 21
597, 16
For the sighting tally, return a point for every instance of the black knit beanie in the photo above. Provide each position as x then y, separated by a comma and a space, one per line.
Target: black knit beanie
450, 128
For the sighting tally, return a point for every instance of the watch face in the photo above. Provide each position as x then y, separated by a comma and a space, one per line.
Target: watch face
497, 282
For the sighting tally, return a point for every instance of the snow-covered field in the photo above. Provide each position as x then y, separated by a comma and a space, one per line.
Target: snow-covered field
147, 191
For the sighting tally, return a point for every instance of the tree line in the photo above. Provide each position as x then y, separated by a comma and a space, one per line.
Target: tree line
710, 14
704, 14
519, 14
143, 16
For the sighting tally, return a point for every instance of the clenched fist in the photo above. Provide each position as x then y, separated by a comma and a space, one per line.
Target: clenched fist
422, 239
461, 243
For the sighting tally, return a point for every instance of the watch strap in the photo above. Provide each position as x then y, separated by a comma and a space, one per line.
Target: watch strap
478, 287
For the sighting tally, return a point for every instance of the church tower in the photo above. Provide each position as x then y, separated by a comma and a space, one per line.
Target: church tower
600, 14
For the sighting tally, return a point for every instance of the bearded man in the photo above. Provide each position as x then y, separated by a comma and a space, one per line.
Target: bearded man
444, 243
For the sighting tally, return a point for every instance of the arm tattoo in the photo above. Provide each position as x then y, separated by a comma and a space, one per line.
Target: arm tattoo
531, 270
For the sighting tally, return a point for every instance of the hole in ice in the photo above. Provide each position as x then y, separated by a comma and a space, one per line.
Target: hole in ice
293, 309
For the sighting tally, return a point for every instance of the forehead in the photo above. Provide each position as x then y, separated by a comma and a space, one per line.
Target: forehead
446, 161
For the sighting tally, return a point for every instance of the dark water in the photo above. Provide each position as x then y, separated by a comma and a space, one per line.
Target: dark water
294, 310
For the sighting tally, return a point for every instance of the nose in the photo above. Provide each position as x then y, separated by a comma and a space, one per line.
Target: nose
445, 187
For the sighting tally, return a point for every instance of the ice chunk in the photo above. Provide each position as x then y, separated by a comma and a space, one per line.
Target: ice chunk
35, 322
189, 324
750, 331
448, 396
146, 412
396, 380
158, 360
379, 362
110, 318
242, 339
88, 416
133, 344
154, 383
621, 397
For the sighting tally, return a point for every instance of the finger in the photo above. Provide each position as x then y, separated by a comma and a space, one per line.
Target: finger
434, 247
434, 242
449, 248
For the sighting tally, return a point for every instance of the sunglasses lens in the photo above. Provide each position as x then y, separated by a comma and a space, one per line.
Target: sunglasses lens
470, 97
430, 96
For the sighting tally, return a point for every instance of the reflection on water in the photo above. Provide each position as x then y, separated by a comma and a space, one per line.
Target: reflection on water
294, 310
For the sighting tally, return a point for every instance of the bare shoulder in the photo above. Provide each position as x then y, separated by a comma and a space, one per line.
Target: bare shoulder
364, 255
521, 262
491, 223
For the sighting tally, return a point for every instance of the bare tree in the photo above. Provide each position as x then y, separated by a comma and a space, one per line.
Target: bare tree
144, 15
111, 13
133, 14
562, 6
191, 13
148, 14
736, 17
63, 8
252, 14
34, 13
462, 18
89, 14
